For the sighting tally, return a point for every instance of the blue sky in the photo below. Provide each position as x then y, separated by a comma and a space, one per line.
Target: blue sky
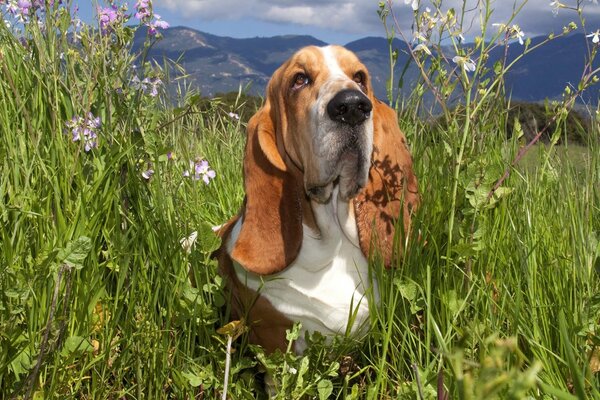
336, 21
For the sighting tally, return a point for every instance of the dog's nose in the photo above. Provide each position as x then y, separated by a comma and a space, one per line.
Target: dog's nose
349, 106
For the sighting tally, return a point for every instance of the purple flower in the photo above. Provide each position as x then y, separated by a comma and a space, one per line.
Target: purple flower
23, 7
108, 17
147, 174
144, 10
202, 171
84, 129
154, 26
146, 85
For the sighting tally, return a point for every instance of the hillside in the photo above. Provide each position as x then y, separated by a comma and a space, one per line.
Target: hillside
221, 64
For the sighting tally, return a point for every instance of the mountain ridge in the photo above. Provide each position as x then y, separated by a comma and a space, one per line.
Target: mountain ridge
220, 64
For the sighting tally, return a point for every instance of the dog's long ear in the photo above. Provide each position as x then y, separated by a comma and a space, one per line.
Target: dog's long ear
271, 232
391, 192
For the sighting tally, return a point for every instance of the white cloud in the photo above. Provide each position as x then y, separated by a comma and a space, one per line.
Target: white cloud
360, 16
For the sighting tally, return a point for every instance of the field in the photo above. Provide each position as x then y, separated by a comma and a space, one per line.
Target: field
103, 182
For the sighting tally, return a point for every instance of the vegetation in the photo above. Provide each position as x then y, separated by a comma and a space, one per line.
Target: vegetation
108, 193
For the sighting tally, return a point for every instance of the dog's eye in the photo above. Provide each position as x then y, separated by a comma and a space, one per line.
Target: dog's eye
300, 80
359, 78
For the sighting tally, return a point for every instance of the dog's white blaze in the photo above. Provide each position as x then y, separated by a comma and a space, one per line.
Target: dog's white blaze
328, 280
331, 62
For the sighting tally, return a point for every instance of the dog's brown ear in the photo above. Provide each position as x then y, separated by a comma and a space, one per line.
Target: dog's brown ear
271, 232
391, 192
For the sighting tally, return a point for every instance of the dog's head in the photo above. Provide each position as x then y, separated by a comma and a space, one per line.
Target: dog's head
321, 101
320, 126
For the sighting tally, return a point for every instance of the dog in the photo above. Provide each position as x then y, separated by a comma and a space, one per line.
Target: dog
327, 175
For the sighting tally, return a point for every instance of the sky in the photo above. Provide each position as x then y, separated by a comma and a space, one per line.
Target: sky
342, 21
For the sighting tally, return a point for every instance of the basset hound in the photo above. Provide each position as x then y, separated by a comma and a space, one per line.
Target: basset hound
327, 174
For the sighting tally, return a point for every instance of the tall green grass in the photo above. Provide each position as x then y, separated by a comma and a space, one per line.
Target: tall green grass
497, 298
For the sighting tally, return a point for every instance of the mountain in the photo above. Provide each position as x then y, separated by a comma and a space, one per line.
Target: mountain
546, 71
219, 64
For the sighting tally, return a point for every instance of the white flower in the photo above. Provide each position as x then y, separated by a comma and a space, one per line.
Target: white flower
234, 116
513, 31
414, 4
555, 6
187, 243
148, 174
595, 36
419, 36
517, 33
422, 47
466, 63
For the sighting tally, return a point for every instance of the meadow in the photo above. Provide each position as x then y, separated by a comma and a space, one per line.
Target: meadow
110, 184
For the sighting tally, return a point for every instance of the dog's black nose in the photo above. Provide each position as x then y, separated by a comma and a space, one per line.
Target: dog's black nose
349, 106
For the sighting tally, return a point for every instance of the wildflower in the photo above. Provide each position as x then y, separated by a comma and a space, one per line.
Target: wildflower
170, 155
234, 116
422, 47
109, 18
146, 85
595, 36
513, 32
143, 10
466, 63
85, 130
155, 25
147, 174
414, 4
24, 6
417, 35
187, 243
555, 6
516, 33
201, 170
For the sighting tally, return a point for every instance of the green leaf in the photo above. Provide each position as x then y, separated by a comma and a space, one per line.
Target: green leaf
75, 253
193, 379
325, 388
77, 344
452, 302
21, 363
408, 290
518, 129
209, 240
294, 333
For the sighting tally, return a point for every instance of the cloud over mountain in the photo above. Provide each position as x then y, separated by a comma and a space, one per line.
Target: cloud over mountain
360, 16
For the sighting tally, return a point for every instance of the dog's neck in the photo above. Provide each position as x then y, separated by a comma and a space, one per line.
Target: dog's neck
336, 215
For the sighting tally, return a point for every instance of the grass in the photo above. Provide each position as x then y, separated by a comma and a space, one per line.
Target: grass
95, 297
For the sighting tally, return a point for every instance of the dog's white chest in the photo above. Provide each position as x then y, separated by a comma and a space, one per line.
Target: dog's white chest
327, 285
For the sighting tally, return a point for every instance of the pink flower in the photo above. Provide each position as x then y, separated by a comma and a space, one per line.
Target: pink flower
153, 26
201, 170
144, 10
109, 17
